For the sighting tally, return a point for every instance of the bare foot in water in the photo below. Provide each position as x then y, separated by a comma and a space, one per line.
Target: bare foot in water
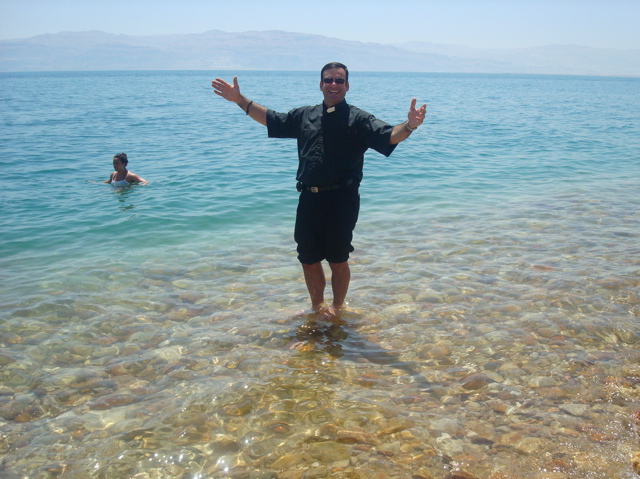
331, 313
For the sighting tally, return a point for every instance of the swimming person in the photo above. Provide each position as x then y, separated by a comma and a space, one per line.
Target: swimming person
122, 177
332, 139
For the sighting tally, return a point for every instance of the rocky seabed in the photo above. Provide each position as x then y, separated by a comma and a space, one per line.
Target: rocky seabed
503, 349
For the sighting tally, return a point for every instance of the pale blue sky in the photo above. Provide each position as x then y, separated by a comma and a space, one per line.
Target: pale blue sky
479, 23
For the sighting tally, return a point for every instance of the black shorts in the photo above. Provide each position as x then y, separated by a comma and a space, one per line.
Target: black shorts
324, 225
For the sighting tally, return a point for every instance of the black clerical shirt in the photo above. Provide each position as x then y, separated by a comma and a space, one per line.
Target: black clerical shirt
331, 142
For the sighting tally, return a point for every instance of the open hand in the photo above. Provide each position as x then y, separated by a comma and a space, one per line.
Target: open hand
226, 90
416, 116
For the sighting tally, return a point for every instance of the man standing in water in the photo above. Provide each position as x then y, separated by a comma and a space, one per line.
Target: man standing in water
332, 139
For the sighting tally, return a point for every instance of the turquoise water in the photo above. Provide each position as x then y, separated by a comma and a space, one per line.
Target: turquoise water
501, 241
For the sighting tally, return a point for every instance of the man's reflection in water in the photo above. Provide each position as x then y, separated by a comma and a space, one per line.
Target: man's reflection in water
325, 336
333, 338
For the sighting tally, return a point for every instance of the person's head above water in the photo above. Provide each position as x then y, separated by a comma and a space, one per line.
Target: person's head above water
120, 158
121, 173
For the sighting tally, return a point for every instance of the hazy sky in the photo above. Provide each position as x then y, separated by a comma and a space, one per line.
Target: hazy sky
479, 23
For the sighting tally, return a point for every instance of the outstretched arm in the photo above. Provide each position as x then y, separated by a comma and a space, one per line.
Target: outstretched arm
232, 93
415, 117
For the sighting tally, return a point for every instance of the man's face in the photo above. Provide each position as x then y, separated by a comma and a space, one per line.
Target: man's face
334, 92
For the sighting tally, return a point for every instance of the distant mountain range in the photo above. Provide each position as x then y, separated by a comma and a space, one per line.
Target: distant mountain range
278, 50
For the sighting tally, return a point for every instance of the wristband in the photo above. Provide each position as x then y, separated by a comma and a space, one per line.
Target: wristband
249, 106
409, 128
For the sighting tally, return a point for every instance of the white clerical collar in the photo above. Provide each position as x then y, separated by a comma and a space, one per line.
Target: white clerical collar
331, 109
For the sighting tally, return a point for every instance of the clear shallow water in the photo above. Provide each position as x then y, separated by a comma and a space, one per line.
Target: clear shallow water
158, 330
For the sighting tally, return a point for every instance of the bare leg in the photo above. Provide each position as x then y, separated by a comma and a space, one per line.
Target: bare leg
316, 282
340, 278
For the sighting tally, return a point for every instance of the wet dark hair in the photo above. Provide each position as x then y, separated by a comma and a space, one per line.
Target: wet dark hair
122, 157
331, 65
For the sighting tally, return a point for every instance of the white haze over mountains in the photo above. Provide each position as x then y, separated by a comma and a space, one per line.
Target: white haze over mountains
279, 50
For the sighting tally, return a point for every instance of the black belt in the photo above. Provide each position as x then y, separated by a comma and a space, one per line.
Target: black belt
320, 189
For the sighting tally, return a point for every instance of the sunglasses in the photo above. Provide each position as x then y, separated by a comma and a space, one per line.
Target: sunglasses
337, 81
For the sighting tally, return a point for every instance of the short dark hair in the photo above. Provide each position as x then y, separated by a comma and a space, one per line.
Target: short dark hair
122, 157
331, 65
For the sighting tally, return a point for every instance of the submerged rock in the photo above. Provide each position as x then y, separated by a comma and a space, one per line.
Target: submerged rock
474, 381
574, 409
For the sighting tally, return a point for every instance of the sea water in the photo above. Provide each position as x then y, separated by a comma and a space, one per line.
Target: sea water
162, 330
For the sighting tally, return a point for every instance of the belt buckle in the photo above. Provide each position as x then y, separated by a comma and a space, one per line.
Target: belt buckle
314, 189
